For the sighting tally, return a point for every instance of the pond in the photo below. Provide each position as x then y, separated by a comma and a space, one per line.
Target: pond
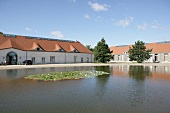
128, 89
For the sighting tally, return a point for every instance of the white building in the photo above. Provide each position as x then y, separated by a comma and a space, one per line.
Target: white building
160, 52
15, 49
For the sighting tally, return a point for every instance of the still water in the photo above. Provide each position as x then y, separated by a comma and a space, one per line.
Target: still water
128, 89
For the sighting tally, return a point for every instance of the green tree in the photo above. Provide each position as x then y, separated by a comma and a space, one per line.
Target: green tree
102, 52
138, 52
88, 46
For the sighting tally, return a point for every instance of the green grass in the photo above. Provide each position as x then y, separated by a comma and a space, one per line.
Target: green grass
53, 76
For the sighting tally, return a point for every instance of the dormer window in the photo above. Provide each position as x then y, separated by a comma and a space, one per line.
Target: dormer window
125, 52
75, 51
61, 50
38, 49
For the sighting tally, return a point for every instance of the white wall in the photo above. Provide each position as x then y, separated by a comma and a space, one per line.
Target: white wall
60, 57
3, 53
125, 58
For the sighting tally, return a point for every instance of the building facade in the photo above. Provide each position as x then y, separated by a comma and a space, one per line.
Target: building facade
14, 49
160, 52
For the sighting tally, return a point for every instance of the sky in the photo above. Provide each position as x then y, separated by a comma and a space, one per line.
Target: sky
119, 22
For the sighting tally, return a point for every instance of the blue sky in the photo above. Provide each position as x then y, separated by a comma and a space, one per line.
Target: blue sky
120, 22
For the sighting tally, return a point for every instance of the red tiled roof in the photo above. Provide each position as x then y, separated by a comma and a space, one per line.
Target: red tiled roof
119, 49
24, 43
156, 48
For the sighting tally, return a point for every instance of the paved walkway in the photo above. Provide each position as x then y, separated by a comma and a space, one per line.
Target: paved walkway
2, 67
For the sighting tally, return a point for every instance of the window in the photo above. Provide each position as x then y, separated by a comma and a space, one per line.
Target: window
156, 58
33, 60
75, 58
166, 57
125, 52
75, 51
118, 57
43, 60
81, 59
38, 49
61, 50
52, 59
87, 60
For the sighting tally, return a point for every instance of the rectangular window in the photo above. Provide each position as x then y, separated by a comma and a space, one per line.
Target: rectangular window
33, 60
156, 58
166, 57
87, 60
81, 59
52, 59
118, 57
43, 60
75, 59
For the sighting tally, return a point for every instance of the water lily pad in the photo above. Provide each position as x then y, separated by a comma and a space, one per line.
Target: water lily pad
53, 76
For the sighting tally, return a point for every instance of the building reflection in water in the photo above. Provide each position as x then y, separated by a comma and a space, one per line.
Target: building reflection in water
141, 72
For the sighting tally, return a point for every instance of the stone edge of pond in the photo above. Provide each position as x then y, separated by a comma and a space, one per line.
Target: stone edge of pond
5, 67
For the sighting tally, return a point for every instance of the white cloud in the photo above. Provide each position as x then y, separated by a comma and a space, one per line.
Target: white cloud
124, 23
86, 16
156, 25
28, 29
58, 34
142, 27
98, 7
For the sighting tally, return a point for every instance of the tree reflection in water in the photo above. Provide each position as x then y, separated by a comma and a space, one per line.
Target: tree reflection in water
101, 82
139, 72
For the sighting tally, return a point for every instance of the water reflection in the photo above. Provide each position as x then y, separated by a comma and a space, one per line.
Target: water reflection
11, 73
127, 89
101, 82
139, 72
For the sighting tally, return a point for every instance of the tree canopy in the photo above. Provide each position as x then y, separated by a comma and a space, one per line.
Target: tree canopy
138, 52
102, 52
88, 46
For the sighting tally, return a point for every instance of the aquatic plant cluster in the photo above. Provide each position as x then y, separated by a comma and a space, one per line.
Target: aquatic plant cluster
53, 76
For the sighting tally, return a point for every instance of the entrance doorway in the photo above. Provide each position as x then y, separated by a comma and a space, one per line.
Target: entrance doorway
11, 58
